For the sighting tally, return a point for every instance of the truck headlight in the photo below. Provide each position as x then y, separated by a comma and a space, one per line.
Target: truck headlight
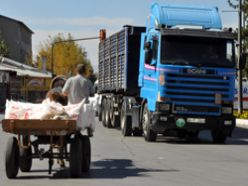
164, 107
226, 110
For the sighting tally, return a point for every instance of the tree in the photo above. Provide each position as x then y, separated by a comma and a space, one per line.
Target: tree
244, 8
4, 50
66, 55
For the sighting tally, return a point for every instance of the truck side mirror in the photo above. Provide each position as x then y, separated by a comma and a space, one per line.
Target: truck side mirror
148, 52
242, 60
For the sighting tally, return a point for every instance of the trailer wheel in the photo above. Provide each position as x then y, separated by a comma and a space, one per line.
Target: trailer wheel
100, 113
107, 113
126, 122
25, 159
137, 132
219, 136
149, 134
12, 158
76, 157
86, 150
104, 112
115, 119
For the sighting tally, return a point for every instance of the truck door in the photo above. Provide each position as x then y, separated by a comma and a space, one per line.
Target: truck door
150, 75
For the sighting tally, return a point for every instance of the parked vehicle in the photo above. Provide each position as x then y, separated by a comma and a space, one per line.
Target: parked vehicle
163, 78
245, 94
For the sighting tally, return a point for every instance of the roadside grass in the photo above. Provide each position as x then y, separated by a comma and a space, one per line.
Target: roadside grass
244, 115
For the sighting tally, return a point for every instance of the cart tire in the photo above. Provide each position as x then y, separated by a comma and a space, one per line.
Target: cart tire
86, 150
25, 161
76, 157
12, 158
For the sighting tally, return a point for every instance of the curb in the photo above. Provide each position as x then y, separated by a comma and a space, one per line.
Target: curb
242, 122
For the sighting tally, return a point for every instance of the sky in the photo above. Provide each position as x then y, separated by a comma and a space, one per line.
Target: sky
84, 18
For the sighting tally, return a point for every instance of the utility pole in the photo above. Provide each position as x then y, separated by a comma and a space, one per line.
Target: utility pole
240, 87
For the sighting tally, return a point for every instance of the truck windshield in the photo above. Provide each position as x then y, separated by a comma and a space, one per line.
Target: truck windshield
197, 51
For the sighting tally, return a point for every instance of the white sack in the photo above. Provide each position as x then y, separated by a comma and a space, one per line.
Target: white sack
83, 113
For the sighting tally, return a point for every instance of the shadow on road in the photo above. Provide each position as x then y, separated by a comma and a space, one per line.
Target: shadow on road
111, 169
103, 169
239, 137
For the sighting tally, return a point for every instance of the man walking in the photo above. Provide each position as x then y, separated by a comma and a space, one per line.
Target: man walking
78, 87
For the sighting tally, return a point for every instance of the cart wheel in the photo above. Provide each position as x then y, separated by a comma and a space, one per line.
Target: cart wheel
86, 151
25, 160
76, 157
12, 158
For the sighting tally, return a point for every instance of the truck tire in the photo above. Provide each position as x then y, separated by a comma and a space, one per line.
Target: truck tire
126, 122
107, 112
76, 157
137, 132
149, 134
12, 158
86, 150
114, 119
25, 159
104, 112
219, 136
100, 113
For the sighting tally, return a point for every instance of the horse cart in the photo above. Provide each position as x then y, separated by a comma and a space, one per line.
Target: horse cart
58, 134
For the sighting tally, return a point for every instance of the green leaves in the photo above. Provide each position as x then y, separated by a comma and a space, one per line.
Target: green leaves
4, 50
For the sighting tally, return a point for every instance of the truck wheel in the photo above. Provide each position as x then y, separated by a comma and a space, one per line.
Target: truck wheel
137, 132
126, 122
107, 113
25, 159
193, 135
114, 119
12, 158
76, 157
86, 150
218, 136
100, 113
149, 134
104, 112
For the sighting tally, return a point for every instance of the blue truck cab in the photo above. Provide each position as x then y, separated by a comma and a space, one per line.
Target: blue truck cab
176, 75
187, 76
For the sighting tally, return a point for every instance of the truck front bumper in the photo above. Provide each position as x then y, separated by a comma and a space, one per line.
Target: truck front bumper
160, 122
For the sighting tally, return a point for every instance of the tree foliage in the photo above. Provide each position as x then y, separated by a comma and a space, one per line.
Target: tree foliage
66, 55
244, 8
4, 50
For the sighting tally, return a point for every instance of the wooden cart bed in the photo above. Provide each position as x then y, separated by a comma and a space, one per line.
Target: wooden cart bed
39, 127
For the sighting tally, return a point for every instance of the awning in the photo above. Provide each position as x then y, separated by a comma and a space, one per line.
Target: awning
21, 69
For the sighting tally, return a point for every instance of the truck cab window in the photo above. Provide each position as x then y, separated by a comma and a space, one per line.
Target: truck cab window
148, 52
197, 51
229, 51
155, 50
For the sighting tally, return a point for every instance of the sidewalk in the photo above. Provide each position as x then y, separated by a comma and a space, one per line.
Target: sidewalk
242, 122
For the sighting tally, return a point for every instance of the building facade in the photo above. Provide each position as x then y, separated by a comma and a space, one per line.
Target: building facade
18, 38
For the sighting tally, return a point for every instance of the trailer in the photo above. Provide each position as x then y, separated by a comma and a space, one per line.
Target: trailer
58, 134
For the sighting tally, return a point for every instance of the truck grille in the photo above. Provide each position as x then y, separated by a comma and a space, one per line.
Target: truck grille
195, 93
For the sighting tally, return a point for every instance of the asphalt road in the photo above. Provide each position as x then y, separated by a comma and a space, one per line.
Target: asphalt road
118, 161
